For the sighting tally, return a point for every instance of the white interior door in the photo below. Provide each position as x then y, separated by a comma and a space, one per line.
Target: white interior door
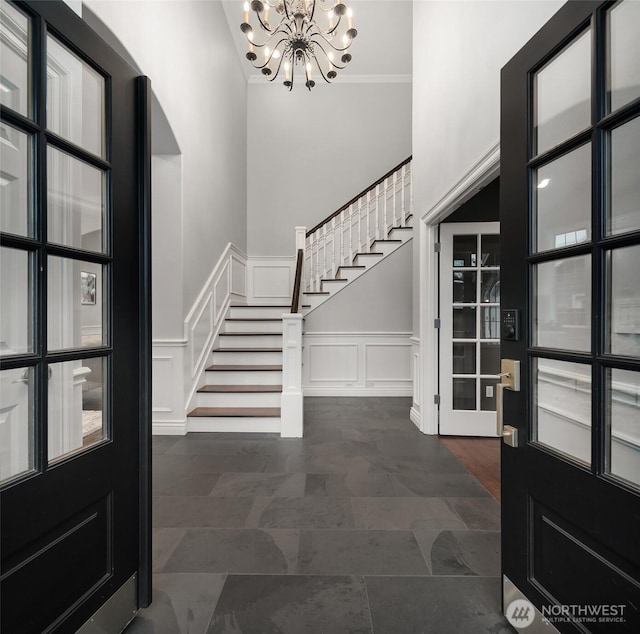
469, 327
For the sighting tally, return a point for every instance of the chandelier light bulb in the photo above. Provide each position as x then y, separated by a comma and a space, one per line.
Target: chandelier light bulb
307, 36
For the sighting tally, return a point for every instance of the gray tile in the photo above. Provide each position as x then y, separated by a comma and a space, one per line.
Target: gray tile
222, 464
436, 605
160, 444
292, 605
163, 543
360, 552
478, 514
301, 512
263, 484
184, 483
404, 513
182, 603
164, 464
435, 463
300, 463
352, 484
227, 550
408, 483
212, 445
185, 512
461, 552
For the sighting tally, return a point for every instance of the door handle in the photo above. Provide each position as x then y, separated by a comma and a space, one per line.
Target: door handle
509, 380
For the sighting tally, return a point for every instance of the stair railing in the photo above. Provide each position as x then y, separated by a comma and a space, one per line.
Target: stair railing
291, 403
356, 226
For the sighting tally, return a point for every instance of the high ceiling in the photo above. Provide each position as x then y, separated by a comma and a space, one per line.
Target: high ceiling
382, 50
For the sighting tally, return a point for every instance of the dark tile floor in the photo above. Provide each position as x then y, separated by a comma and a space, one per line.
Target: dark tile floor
364, 525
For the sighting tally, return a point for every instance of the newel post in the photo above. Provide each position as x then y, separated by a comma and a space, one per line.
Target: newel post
301, 236
291, 408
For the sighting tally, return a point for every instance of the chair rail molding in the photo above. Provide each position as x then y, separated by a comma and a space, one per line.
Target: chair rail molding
178, 364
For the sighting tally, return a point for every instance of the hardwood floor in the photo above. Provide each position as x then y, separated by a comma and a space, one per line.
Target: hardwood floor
481, 456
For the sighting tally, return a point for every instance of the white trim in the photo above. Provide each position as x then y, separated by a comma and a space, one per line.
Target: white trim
170, 343
169, 428
414, 415
478, 175
346, 78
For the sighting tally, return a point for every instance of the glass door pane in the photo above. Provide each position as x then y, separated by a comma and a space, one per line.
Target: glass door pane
624, 53
15, 39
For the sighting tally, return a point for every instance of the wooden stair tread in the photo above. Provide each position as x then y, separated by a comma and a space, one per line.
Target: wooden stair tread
236, 412
260, 306
332, 280
354, 266
244, 368
385, 240
250, 334
208, 389
317, 293
253, 319
247, 350
399, 228
357, 255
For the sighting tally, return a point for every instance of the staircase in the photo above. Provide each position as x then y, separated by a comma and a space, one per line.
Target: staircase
243, 385
357, 236
242, 391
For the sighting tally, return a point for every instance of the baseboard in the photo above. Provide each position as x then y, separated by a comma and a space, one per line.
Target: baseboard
414, 415
358, 391
169, 428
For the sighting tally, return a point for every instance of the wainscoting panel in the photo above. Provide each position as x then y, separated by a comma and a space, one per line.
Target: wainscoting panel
178, 364
415, 358
356, 364
270, 280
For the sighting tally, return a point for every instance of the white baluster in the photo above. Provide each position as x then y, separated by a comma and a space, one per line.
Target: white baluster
385, 189
334, 246
307, 264
367, 199
351, 251
378, 232
342, 217
410, 189
324, 251
316, 282
404, 214
395, 210
359, 245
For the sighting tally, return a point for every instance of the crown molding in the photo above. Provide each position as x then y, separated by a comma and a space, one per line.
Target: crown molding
349, 79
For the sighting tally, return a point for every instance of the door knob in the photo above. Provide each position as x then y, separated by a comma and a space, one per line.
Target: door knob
509, 380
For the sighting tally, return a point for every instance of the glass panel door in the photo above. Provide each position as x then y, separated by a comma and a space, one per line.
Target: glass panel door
469, 334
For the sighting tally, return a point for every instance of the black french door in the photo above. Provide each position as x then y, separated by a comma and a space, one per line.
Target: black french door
74, 325
570, 221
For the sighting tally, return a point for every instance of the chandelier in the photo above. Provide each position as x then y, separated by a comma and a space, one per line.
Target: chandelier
305, 36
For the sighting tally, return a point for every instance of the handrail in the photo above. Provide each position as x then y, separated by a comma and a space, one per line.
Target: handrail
360, 195
295, 301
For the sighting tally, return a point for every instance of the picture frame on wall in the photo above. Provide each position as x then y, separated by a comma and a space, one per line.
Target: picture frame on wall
88, 288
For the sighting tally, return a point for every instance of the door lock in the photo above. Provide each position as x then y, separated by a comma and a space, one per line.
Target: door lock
509, 380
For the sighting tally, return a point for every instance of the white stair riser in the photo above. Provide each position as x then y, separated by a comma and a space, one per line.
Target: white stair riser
400, 234
233, 424
251, 341
314, 300
257, 312
253, 326
242, 377
385, 248
351, 274
239, 399
232, 357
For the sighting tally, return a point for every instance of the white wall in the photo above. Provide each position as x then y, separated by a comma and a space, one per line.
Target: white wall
311, 152
459, 50
187, 51
378, 301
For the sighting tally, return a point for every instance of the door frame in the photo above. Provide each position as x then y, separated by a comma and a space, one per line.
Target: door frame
425, 410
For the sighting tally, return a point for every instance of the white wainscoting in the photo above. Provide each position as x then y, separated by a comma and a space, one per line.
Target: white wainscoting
357, 364
270, 280
178, 364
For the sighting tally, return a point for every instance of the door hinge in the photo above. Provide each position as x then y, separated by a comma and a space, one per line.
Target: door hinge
436, 399
436, 323
437, 247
